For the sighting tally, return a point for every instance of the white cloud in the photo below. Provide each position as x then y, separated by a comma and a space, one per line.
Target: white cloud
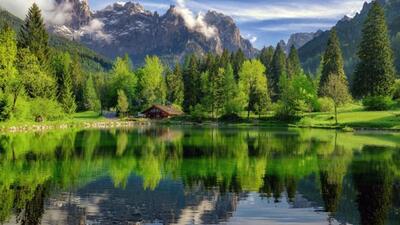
282, 10
95, 30
295, 27
196, 23
53, 13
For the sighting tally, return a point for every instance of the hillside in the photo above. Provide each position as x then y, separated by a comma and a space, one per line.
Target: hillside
349, 32
91, 61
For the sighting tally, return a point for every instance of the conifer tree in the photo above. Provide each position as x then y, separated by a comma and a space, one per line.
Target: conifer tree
175, 87
192, 84
237, 60
375, 73
232, 97
91, 99
332, 64
78, 81
266, 56
276, 70
8, 57
293, 63
67, 97
33, 35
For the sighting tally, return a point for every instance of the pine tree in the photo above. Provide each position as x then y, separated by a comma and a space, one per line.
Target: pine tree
237, 60
91, 99
375, 73
175, 87
67, 97
192, 84
293, 63
78, 81
266, 56
332, 64
33, 35
232, 98
276, 70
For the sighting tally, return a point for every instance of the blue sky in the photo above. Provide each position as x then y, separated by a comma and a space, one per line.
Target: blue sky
265, 22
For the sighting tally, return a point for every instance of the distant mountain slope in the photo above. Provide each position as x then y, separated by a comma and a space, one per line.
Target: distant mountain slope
349, 32
128, 28
91, 61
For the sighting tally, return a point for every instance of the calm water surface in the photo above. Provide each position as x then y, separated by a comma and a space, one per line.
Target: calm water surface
200, 176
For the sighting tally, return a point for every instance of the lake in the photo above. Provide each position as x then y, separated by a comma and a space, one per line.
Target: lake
192, 175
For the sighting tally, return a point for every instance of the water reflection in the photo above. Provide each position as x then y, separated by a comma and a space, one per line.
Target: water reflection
191, 176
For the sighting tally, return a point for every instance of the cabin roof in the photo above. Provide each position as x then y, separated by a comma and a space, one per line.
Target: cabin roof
167, 109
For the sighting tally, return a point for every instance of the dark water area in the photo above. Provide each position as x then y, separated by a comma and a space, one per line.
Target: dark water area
174, 175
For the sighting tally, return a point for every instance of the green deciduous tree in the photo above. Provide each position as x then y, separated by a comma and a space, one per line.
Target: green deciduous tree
337, 89
232, 95
293, 63
175, 88
123, 104
375, 73
252, 82
122, 78
33, 35
8, 57
152, 88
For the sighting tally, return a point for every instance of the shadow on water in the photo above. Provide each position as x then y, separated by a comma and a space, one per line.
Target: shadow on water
176, 175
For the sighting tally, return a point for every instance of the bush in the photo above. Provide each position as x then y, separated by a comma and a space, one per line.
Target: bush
230, 117
325, 104
198, 113
22, 110
46, 109
378, 103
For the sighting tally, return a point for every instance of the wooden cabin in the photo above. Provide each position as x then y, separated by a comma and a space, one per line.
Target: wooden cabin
161, 112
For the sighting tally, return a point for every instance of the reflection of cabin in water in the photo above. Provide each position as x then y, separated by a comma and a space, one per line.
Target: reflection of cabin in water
161, 112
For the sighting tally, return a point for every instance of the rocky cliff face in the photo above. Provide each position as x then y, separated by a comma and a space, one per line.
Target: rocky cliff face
128, 28
300, 39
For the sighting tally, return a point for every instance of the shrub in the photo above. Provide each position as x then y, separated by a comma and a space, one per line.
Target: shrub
230, 117
198, 113
46, 109
22, 110
378, 103
325, 104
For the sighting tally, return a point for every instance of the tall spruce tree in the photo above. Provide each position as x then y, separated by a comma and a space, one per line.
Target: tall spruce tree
266, 55
276, 70
293, 63
332, 64
91, 99
78, 80
67, 97
175, 88
375, 73
33, 35
192, 83
237, 60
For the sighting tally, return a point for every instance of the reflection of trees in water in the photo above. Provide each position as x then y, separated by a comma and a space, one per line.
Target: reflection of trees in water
373, 179
33, 209
231, 161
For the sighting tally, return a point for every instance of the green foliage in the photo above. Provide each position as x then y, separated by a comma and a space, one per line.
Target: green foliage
378, 103
175, 86
90, 97
396, 93
198, 112
325, 104
5, 107
253, 85
233, 99
123, 104
192, 83
298, 95
33, 36
293, 63
332, 64
375, 74
37, 82
8, 56
277, 69
237, 60
47, 109
151, 83
122, 78
266, 56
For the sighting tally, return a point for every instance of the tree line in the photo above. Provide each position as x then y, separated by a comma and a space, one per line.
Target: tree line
37, 82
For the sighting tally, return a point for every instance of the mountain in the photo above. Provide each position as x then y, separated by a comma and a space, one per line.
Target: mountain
300, 39
128, 28
349, 32
91, 61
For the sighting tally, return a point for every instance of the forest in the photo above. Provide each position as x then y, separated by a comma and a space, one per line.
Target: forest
39, 83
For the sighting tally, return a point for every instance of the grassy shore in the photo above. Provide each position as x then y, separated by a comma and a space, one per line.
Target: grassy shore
349, 118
